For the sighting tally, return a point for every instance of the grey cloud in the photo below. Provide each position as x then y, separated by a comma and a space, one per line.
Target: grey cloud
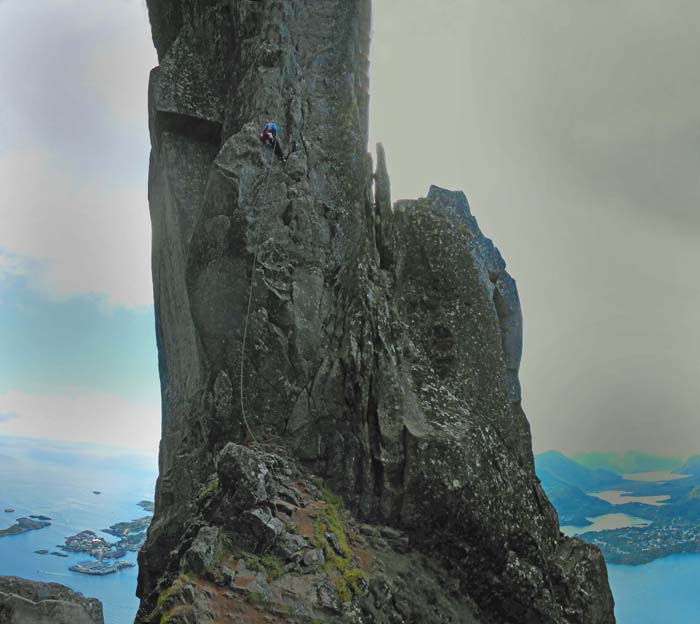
74, 147
574, 128
55, 69
610, 87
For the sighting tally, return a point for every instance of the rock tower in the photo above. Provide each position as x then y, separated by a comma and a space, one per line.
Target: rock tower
362, 456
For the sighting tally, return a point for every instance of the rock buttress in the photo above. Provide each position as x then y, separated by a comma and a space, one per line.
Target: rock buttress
383, 342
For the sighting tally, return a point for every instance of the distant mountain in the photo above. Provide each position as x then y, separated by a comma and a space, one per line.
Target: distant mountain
630, 461
691, 466
573, 505
555, 468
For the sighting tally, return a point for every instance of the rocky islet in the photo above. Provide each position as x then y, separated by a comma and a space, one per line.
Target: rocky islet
22, 525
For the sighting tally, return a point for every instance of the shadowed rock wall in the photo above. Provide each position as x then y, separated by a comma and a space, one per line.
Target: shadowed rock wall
383, 341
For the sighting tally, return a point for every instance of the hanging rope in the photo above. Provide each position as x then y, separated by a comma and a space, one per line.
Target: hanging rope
250, 296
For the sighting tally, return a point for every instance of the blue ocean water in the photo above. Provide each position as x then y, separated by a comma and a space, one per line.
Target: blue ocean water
664, 591
57, 479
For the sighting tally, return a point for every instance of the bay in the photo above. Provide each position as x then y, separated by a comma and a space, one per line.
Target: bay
665, 590
57, 479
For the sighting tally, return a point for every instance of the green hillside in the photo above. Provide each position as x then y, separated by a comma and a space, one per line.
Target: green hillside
630, 461
691, 466
554, 467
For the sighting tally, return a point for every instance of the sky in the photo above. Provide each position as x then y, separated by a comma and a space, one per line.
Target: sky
78, 358
573, 127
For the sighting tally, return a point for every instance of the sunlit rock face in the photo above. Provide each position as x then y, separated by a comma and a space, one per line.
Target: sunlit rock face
382, 342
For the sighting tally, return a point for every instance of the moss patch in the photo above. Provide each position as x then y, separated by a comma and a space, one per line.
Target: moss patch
169, 615
274, 567
208, 490
331, 499
345, 576
254, 598
175, 587
267, 564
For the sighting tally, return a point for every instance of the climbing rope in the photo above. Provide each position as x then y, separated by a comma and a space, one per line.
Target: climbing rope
250, 296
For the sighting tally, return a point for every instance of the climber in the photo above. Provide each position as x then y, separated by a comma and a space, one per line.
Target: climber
269, 136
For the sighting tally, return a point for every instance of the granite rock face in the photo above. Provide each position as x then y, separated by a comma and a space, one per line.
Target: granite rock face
266, 543
382, 341
30, 602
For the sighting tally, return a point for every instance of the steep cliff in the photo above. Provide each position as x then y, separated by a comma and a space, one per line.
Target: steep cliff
313, 338
30, 602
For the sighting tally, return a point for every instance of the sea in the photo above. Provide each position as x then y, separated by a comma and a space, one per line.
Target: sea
664, 591
57, 479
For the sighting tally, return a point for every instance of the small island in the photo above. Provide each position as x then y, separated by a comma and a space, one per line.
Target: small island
22, 525
99, 568
43, 551
42, 518
123, 529
96, 492
146, 505
88, 542
132, 535
9, 510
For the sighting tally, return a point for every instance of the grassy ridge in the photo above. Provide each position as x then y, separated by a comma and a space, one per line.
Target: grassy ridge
629, 461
